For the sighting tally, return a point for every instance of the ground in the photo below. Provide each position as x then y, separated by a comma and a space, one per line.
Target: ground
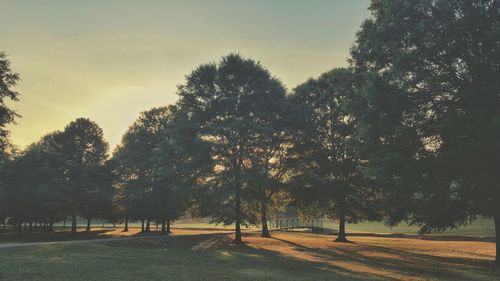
209, 255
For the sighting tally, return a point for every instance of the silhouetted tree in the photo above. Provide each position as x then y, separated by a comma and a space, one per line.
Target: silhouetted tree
33, 186
429, 109
136, 166
179, 159
83, 151
225, 101
327, 166
8, 80
268, 150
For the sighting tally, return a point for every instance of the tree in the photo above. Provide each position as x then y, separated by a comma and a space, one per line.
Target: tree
327, 166
429, 109
137, 168
4, 162
268, 152
8, 79
33, 185
83, 151
225, 101
179, 159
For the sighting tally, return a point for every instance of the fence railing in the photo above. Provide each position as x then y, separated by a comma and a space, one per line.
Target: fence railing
295, 223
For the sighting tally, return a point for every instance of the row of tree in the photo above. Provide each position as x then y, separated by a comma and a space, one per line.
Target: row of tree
409, 132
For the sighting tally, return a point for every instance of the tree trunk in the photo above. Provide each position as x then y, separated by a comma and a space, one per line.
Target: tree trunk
147, 226
64, 222
342, 236
126, 225
19, 228
163, 230
73, 223
263, 218
168, 226
142, 225
88, 225
497, 239
237, 210
31, 225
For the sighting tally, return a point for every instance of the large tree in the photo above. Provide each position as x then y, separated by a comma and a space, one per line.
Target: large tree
135, 163
33, 184
327, 166
181, 160
269, 150
8, 80
429, 109
83, 151
226, 100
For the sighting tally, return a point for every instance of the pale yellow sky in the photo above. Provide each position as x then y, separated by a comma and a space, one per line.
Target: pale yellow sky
110, 60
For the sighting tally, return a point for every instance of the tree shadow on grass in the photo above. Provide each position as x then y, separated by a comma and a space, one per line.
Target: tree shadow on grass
288, 258
403, 263
247, 261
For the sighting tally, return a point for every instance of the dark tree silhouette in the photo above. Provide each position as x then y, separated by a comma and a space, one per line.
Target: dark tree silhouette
137, 167
83, 151
34, 185
429, 109
268, 150
178, 158
8, 80
225, 101
327, 166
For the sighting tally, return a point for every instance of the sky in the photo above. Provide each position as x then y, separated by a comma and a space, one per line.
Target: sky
109, 60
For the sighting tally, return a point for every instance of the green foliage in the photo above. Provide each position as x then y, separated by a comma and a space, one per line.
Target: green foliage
8, 80
64, 173
327, 167
136, 167
233, 103
177, 159
83, 151
428, 109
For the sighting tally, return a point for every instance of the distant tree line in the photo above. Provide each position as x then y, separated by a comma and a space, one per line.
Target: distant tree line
409, 132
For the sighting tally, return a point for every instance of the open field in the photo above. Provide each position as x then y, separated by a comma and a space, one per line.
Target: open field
478, 228
481, 228
208, 255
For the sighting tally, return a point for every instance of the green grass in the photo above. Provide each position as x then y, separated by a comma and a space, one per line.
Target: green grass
479, 227
290, 256
138, 261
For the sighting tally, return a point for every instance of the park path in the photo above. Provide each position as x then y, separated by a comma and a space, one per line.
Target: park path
25, 244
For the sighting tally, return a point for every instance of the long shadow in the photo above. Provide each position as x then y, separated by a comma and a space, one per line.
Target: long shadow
330, 231
406, 263
244, 261
263, 258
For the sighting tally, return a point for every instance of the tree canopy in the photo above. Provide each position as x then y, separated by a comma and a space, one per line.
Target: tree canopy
227, 101
8, 80
327, 166
429, 108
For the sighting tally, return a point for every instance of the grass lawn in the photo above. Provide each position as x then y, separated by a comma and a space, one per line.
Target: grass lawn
479, 227
209, 255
